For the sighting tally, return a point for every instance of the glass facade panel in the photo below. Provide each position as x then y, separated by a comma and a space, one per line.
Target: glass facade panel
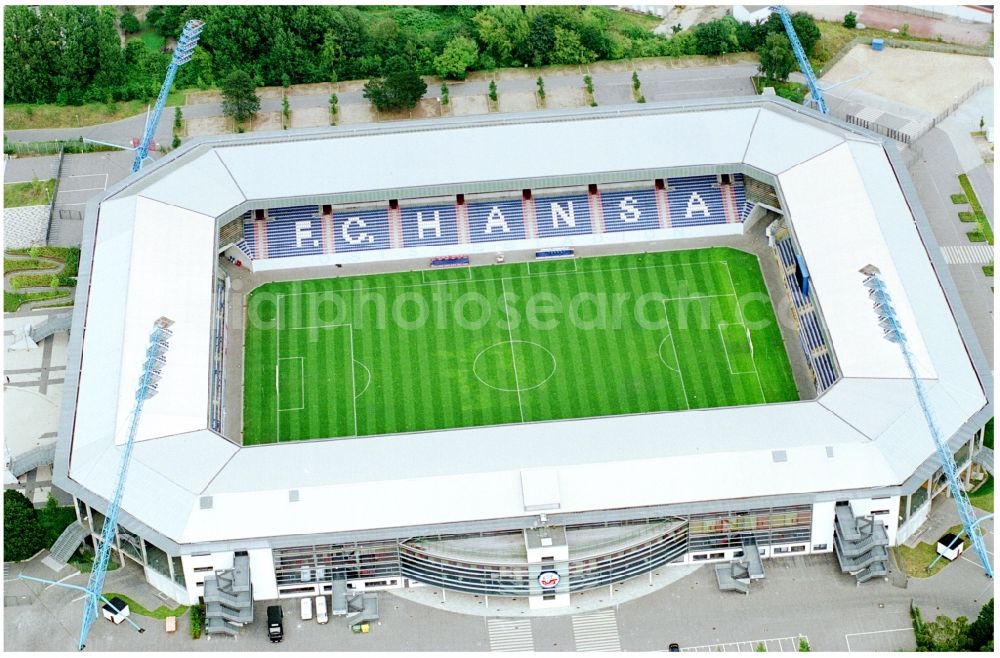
918, 498
130, 543
962, 455
157, 559
178, 571
97, 521
766, 526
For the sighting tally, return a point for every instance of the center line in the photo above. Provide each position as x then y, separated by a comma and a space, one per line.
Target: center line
510, 338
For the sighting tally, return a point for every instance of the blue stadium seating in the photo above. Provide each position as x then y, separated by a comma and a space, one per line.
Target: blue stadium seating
361, 230
215, 415
440, 225
487, 220
299, 230
562, 215
810, 333
295, 235
630, 210
697, 196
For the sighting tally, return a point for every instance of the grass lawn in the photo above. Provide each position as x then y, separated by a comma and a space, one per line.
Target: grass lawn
976, 236
988, 435
984, 226
83, 559
30, 193
793, 91
465, 347
966, 216
982, 497
20, 116
915, 560
988, 269
161, 612
13, 300
153, 41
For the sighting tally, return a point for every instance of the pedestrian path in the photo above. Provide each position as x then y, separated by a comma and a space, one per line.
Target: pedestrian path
773, 644
980, 254
597, 631
510, 634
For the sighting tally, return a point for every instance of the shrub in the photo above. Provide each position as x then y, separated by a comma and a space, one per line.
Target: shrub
588, 84
760, 647
976, 236
493, 91
541, 87
641, 99
23, 535
176, 142
444, 94
333, 108
54, 282
197, 620
850, 20
54, 519
988, 269
959, 199
803, 644
967, 216
129, 23
904, 30
34, 252
178, 118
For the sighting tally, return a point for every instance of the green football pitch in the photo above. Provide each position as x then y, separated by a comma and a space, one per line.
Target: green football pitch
465, 347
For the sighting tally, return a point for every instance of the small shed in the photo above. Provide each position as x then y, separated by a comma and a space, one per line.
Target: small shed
944, 546
116, 617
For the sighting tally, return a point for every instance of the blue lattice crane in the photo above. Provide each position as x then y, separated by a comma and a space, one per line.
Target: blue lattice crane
800, 55
182, 55
889, 321
152, 368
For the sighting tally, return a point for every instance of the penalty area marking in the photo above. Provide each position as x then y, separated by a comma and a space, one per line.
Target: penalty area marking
677, 359
722, 337
367, 383
739, 316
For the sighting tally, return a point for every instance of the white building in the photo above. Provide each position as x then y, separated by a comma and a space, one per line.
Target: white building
398, 510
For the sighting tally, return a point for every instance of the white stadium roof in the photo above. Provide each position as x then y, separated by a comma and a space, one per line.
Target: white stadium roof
154, 255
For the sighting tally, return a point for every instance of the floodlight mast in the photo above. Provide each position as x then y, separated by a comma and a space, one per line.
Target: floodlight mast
800, 55
182, 55
888, 320
152, 367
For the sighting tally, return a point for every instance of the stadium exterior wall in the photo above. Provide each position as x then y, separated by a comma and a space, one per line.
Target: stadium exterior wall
218, 555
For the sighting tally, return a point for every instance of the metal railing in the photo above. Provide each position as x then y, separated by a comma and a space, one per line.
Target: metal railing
55, 193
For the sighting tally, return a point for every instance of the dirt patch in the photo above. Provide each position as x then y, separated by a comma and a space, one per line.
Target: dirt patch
216, 125
202, 97
924, 80
351, 85
266, 121
426, 108
355, 113
517, 101
311, 89
268, 93
564, 97
310, 117
462, 106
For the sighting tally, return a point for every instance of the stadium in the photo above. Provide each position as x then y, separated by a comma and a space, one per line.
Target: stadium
523, 356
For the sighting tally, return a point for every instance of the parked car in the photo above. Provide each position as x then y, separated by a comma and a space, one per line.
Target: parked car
307, 609
321, 609
674, 647
275, 629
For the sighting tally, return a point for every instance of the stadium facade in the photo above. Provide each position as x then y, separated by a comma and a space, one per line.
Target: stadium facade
536, 510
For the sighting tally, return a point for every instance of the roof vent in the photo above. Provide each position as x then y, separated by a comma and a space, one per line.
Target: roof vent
293, 495
206, 502
829, 451
779, 456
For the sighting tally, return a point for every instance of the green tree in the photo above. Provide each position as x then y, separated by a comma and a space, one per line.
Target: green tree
541, 87
129, 23
239, 96
981, 630
444, 94
850, 20
178, 119
717, 37
23, 535
457, 58
567, 48
333, 108
804, 645
503, 30
286, 112
635, 81
493, 91
806, 30
397, 91
776, 57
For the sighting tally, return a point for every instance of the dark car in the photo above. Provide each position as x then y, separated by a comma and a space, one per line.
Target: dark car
674, 647
275, 629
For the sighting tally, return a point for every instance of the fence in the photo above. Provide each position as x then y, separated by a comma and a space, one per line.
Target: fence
55, 193
32, 459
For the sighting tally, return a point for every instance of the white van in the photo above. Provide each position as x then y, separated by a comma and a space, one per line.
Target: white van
321, 609
307, 609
